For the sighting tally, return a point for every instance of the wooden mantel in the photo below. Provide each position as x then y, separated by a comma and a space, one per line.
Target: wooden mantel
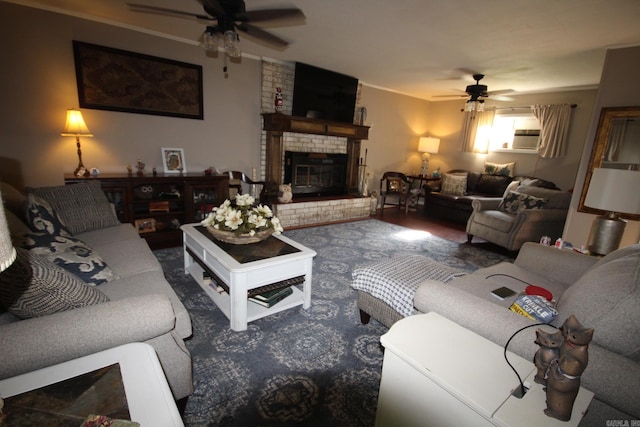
276, 124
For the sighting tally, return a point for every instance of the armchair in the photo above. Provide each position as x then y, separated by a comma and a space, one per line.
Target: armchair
511, 228
396, 185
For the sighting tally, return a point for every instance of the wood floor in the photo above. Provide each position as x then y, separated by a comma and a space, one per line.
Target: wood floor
445, 229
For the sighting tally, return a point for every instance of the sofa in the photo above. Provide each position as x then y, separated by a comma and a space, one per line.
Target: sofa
454, 202
603, 293
83, 282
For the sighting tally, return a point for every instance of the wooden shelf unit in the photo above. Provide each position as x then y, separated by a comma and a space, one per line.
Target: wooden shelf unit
158, 205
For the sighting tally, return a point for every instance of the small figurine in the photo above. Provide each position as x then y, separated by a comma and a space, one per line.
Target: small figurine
279, 102
95, 172
140, 168
549, 348
129, 170
285, 195
154, 171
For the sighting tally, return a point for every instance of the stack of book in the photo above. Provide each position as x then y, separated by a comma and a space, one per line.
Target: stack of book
270, 298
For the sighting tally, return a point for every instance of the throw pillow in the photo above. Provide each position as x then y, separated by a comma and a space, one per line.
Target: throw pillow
513, 185
515, 202
81, 207
455, 185
492, 185
41, 217
34, 287
70, 253
506, 169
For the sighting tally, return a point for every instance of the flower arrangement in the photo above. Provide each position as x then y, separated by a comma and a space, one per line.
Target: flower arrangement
243, 218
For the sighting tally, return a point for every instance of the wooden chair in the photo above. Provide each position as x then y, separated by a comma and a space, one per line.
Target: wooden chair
236, 181
395, 185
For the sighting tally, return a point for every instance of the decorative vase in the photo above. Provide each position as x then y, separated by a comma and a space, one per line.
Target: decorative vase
239, 239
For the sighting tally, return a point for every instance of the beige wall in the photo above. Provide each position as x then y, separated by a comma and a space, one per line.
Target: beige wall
38, 85
619, 87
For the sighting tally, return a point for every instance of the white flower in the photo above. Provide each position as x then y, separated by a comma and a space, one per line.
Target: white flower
244, 200
233, 219
275, 222
264, 211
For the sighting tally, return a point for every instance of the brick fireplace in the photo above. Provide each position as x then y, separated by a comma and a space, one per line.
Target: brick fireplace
295, 134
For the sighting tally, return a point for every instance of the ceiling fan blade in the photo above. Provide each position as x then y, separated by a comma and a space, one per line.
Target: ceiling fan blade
271, 15
262, 35
501, 92
450, 96
165, 11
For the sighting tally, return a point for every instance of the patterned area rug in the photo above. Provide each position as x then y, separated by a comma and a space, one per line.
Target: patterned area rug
315, 367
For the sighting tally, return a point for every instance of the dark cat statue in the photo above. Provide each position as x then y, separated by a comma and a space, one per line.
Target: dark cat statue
563, 376
549, 350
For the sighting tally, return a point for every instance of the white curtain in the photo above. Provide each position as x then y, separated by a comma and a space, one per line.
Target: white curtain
554, 128
616, 138
476, 130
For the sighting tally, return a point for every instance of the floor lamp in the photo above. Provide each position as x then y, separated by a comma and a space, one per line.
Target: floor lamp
616, 192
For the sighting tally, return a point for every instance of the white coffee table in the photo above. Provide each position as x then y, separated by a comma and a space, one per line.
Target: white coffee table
243, 268
149, 398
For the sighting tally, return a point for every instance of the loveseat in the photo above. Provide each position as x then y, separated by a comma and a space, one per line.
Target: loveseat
603, 294
454, 202
83, 282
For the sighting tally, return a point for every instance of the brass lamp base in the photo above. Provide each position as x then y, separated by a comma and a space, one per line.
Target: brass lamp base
606, 233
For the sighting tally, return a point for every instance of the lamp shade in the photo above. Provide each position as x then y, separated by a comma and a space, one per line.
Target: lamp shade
75, 125
7, 251
614, 190
429, 145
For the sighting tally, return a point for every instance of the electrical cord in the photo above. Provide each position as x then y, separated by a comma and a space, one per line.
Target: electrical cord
522, 388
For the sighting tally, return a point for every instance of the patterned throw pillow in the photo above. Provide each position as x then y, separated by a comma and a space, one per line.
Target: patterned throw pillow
70, 253
41, 217
506, 169
81, 207
515, 202
455, 185
34, 287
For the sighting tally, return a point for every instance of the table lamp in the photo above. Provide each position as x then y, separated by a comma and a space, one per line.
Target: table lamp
7, 251
614, 191
427, 145
76, 126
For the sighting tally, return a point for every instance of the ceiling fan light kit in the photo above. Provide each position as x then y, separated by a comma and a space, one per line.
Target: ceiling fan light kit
227, 16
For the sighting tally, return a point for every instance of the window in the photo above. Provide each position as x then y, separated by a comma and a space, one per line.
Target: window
515, 132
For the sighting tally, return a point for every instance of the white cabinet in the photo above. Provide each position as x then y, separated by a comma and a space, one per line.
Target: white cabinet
438, 373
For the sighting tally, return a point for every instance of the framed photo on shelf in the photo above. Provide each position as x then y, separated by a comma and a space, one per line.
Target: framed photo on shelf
146, 225
173, 160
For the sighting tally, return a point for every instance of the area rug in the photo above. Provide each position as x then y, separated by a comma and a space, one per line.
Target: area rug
315, 367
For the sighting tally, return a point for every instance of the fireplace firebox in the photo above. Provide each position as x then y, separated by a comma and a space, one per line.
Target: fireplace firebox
316, 174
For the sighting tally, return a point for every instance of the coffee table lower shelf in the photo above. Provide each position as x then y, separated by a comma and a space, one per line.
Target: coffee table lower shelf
254, 311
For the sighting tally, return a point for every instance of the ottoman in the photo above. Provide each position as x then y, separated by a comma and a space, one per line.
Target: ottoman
386, 288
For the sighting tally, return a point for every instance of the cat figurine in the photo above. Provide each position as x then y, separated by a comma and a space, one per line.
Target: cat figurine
563, 376
285, 195
549, 350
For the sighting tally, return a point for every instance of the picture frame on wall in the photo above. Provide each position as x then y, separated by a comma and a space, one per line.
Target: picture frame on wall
173, 160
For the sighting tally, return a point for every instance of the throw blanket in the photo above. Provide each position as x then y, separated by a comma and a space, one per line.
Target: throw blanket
395, 280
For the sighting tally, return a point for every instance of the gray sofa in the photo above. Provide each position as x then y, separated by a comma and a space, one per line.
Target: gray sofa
603, 293
132, 303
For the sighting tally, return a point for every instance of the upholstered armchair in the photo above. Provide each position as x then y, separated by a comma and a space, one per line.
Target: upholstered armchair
523, 215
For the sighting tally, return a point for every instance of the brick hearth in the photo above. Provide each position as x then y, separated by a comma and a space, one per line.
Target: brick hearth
306, 212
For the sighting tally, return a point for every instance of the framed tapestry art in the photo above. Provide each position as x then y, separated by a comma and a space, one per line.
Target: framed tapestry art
118, 80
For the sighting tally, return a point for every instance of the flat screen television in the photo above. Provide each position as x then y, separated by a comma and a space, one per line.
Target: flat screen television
323, 94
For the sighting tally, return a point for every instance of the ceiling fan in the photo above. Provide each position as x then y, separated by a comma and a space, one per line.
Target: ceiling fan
477, 91
227, 18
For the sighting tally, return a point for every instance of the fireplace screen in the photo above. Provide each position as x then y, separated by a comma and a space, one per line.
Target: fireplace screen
316, 174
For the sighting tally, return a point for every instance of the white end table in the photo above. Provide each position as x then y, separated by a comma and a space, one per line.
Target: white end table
438, 373
148, 395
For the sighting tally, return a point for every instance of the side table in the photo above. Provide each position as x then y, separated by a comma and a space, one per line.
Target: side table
438, 373
148, 397
413, 198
